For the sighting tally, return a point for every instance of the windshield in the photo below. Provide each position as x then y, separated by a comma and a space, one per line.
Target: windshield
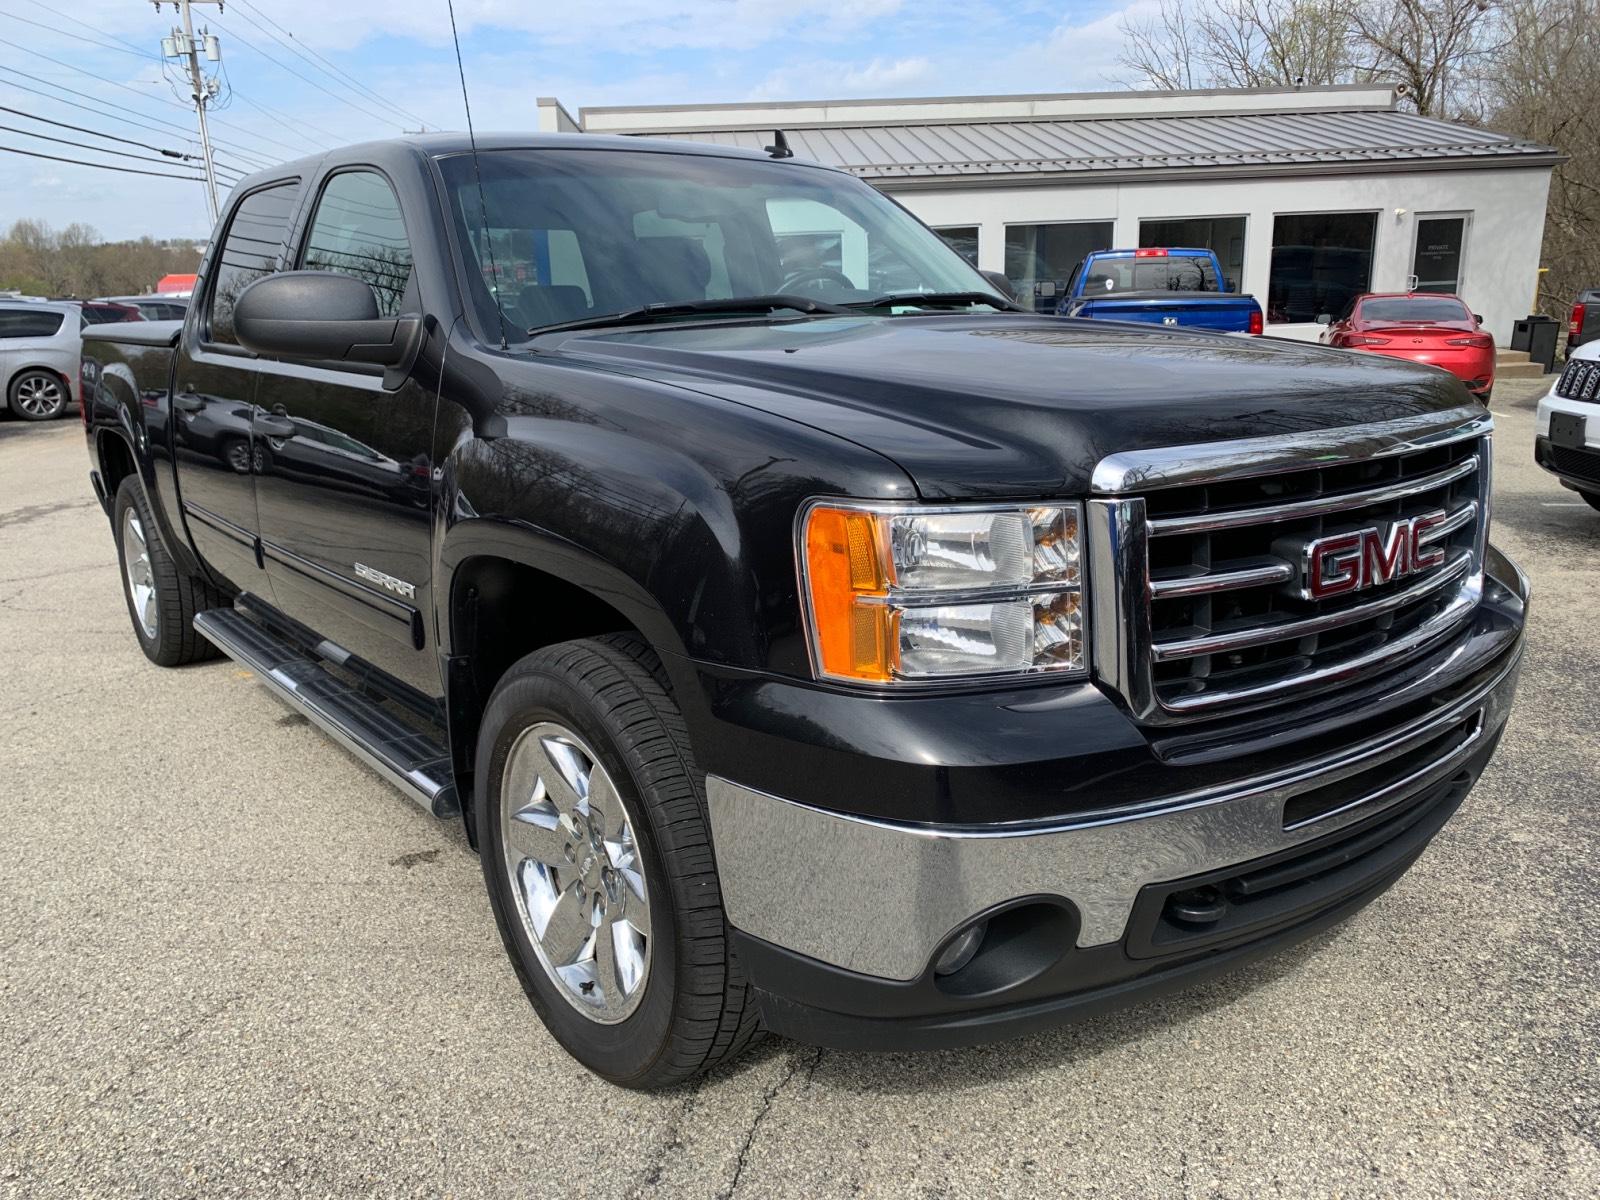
572, 234
1411, 310
1170, 273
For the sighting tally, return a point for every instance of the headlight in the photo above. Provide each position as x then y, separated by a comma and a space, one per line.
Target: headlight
898, 593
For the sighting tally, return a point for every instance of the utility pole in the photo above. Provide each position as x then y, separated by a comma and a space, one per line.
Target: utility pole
182, 43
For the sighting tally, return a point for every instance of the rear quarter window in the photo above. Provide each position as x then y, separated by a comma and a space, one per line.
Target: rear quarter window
30, 323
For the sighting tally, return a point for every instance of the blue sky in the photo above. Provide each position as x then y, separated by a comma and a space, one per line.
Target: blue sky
618, 52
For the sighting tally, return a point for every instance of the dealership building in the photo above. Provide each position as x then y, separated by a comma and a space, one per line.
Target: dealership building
1309, 196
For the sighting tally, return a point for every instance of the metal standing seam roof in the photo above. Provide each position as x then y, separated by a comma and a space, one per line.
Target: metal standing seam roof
1068, 146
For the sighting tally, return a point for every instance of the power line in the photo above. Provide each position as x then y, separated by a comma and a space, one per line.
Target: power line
45, 137
110, 137
260, 158
268, 110
72, 67
383, 117
312, 55
123, 49
76, 21
78, 162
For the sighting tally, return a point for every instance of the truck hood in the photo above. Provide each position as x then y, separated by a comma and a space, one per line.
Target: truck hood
1016, 407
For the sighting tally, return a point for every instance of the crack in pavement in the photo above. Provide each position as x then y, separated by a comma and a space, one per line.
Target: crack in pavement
767, 1099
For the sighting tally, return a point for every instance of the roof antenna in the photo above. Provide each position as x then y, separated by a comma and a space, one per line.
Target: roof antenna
483, 205
779, 147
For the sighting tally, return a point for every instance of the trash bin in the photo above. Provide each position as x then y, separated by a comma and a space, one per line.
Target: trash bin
1520, 333
1540, 341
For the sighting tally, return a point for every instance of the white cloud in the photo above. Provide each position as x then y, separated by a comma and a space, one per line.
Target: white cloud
825, 80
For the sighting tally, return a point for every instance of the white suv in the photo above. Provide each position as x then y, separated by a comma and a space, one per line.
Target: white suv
40, 345
1567, 431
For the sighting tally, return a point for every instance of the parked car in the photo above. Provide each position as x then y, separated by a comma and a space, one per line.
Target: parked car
1567, 427
883, 670
40, 348
151, 307
1422, 327
103, 312
1583, 322
1158, 286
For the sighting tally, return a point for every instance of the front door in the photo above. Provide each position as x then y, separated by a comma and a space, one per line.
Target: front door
214, 387
1436, 262
344, 477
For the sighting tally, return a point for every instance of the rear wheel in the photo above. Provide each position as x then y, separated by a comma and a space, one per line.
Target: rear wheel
162, 598
38, 396
597, 856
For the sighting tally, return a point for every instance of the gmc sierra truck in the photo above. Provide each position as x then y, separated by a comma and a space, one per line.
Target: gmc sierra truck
826, 648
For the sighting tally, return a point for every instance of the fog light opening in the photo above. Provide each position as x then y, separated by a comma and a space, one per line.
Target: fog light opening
961, 950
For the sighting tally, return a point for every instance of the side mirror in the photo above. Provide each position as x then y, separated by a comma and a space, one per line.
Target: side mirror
1478, 317
999, 279
322, 315
1324, 318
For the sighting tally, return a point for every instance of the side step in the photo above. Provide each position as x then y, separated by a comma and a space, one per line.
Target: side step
412, 761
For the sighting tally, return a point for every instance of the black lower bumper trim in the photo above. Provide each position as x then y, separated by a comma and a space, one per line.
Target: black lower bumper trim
840, 1031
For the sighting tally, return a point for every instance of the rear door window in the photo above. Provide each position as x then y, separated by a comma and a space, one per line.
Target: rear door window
255, 238
29, 323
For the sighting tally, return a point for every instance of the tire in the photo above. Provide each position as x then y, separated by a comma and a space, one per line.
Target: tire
38, 395
1593, 498
605, 702
163, 615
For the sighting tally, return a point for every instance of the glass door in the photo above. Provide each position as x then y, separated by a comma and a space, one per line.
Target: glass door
1436, 261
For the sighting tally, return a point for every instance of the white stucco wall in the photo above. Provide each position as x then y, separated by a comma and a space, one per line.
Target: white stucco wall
1500, 257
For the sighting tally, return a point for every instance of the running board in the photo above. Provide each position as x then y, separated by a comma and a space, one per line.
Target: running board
412, 761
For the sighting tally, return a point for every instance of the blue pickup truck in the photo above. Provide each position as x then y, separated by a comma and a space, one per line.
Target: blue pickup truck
1158, 286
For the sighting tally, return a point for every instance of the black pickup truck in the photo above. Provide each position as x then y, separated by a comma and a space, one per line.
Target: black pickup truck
809, 640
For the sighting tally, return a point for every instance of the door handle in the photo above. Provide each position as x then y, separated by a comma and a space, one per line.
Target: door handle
273, 427
188, 402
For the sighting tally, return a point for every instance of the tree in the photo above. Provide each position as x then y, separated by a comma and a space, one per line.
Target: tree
1542, 83
1429, 46
37, 260
1241, 43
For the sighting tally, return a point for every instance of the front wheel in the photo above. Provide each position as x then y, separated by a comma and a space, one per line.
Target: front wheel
38, 396
596, 852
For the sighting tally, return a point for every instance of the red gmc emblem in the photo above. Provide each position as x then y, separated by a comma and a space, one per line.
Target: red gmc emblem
1363, 558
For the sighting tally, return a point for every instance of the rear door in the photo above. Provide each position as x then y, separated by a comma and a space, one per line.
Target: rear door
214, 385
346, 475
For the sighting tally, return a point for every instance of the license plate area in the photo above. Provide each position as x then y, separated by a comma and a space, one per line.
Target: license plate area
1568, 429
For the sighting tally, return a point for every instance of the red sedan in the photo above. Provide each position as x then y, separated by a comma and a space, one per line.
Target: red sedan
1435, 329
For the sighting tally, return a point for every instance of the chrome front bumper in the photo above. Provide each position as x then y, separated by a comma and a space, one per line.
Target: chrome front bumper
880, 898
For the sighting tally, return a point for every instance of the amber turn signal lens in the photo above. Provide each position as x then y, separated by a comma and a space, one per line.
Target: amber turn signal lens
847, 575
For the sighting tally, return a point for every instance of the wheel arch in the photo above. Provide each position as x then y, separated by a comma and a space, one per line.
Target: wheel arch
505, 591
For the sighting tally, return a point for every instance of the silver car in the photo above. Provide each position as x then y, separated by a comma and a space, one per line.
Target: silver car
40, 345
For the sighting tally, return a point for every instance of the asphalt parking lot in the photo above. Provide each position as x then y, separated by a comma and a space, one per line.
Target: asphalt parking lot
237, 963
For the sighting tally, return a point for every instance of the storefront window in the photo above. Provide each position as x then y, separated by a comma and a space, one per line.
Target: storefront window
1040, 258
1223, 236
963, 240
1320, 263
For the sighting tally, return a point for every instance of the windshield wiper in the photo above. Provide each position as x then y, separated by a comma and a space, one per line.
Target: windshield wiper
939, 300
734, 305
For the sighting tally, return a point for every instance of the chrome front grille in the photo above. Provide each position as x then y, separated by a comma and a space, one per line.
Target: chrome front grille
1198, 573
1580, 380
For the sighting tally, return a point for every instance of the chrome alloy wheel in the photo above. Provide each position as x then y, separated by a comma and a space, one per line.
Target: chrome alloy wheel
136, 567
576, 871
40, 395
